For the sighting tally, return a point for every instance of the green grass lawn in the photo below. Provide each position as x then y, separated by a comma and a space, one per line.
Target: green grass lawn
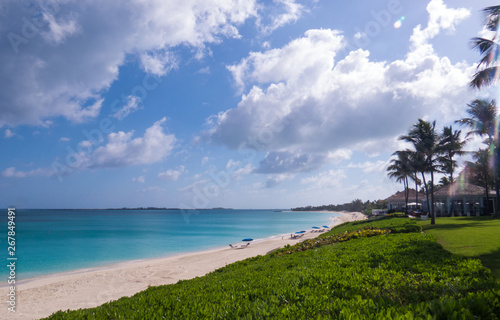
475, 237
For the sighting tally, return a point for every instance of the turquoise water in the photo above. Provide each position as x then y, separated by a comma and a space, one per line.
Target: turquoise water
51, 241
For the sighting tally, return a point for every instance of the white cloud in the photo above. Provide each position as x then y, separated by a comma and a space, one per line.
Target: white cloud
140, 179
486, 33
121, 150
59, 29
9, 133
205, 70
235, 169
158, 63
371, 167
294, 62
359, 35
172, 175
282, 162
72, 53
12, 172
81, 114
302, 104
326, 179
339, 155
440, 18
274, 179
204, 160
153, 189
133, 104
292, 11
64, 139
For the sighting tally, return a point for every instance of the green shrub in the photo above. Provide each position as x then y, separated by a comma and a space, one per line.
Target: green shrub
396, 214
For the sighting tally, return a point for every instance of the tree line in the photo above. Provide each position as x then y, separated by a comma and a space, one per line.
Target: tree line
356, 205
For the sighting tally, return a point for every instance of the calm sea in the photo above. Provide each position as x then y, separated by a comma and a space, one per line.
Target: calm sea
51, 241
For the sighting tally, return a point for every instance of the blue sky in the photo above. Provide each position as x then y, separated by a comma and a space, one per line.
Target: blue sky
241, 104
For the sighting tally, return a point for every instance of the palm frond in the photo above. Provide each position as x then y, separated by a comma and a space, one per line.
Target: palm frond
488, 49
484, 46
485, 77
492, 17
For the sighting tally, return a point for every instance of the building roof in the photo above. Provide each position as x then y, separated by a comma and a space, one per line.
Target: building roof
461, 188
400, 196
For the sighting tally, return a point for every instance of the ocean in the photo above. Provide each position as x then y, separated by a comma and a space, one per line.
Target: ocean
53, 241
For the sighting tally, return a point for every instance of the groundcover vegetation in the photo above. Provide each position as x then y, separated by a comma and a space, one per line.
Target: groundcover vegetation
375, 274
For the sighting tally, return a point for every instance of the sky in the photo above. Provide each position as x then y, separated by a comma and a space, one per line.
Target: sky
236, 104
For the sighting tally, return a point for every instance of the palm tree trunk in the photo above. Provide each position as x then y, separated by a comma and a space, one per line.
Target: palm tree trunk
405, 182
407, 194
487, 198
433, 213
416, 190
452, 197
426, 191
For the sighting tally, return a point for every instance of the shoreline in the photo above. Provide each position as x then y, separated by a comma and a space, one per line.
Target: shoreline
85, 288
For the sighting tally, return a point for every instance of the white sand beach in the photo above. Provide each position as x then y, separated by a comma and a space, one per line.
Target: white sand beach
40, 297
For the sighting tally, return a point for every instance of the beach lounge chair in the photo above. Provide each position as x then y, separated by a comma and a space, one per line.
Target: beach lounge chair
241, 246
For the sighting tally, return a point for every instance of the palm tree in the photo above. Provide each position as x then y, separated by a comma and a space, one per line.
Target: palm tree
480, 172
482, 121
444, 181
450, 145
489, 50
400, 169
424, 138
417, 164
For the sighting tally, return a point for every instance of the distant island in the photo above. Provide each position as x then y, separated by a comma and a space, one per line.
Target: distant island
156, 208
354, 206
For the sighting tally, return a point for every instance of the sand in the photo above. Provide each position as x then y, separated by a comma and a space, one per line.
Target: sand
40, 297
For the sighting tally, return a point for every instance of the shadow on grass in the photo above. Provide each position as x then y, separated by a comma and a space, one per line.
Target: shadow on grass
458, 223
492, 261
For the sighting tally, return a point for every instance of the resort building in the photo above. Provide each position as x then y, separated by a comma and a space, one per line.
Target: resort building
463, 199
457, 199
397, 201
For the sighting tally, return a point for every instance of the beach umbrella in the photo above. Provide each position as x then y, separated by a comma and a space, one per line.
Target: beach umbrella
299, 232
316, 228
326, 227
247, 239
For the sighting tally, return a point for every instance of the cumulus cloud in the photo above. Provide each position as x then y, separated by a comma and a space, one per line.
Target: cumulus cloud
121, 150
58, 57
304, 104
172, 175
440, 18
